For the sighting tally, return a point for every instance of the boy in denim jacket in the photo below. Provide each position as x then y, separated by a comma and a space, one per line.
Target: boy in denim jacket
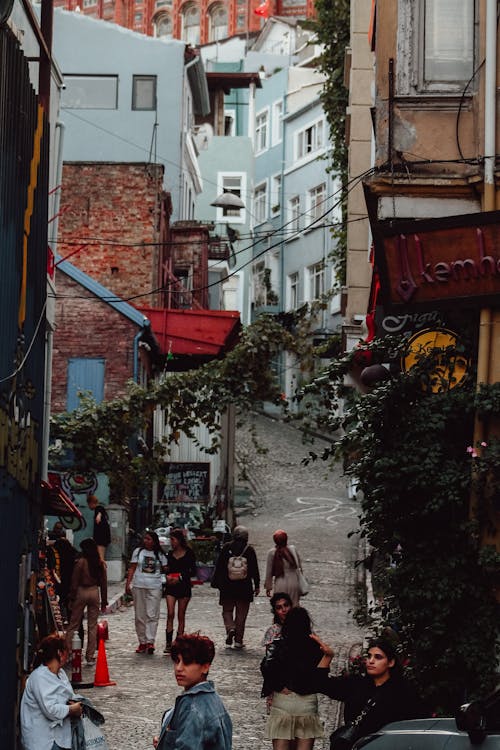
199, 719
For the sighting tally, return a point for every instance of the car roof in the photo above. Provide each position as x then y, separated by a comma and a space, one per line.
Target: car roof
425, 734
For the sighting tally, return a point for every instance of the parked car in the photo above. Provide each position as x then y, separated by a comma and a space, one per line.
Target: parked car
476, 725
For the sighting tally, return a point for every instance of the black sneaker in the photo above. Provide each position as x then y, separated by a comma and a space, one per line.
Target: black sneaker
230, 638
168, 649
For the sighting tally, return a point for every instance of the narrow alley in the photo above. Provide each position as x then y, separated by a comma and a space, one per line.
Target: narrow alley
315, 511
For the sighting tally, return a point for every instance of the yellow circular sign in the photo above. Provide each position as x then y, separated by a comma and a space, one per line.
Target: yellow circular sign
450, 369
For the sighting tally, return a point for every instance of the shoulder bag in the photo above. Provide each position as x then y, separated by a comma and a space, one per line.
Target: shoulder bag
345, 736
303, 582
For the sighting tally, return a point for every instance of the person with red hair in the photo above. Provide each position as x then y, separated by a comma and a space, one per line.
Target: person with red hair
282, 566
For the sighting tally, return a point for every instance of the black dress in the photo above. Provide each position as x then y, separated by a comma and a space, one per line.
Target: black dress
186, 567
395, 699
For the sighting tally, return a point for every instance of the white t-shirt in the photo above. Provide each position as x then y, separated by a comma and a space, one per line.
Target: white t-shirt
148, 572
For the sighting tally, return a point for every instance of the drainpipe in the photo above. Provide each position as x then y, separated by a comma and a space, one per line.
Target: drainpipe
484, 353
47, 391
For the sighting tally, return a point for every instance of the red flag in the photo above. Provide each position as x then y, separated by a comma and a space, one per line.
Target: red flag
264, 9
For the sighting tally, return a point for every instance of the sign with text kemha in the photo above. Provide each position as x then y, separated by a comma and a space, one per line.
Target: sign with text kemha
439, 261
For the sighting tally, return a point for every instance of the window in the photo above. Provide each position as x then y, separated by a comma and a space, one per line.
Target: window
277, 123
84, 374
90, 92
144, 92
258, 279
276, 195
89, 3
232, 182
229, 122
316, 199
436, 45
163, 26
217, 16
316, 281
293, 291
309, 140
260, 203
261, 130
294, 214
191, 24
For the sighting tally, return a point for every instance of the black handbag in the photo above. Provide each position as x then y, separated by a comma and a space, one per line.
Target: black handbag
345, 736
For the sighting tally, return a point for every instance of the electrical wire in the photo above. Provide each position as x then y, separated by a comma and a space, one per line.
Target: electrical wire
20, 367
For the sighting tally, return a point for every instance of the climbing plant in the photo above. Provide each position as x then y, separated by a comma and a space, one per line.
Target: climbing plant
407, 441
103, 435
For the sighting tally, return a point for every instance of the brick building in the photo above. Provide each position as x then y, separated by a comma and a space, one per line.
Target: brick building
114, 225
194, 21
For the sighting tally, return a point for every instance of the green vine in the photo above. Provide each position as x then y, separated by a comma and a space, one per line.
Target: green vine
408, 441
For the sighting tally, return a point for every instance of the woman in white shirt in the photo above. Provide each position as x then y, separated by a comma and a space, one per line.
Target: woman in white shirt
144, 576
48, 701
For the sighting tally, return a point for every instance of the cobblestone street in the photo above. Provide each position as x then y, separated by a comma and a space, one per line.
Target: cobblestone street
316, 512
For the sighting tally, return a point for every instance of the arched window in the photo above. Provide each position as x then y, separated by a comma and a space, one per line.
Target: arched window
163, 26
217, 15
191, 24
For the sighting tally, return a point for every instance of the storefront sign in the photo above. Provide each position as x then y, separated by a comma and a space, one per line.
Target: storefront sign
424, 263
186, 483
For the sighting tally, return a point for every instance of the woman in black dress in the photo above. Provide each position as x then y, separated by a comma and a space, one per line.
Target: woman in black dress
391, 696
181, 568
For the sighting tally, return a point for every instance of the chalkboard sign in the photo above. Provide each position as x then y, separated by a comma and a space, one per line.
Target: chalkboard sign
185, 483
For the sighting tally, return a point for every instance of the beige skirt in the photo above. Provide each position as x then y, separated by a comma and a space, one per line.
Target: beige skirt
293, 716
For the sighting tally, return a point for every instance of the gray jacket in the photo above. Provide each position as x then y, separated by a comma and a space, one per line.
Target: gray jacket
198, 721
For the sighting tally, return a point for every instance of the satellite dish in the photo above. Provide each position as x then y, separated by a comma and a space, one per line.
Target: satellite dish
5, 10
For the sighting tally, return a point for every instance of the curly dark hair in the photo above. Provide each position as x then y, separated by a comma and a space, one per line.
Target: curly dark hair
194, 649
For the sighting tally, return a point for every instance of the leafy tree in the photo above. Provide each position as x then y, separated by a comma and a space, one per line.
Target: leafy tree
407, 441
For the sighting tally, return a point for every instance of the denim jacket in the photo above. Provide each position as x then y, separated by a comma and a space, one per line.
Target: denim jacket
198, 721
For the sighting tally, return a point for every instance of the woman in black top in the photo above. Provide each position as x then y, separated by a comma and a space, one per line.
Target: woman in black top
181, 567
236, 595
288, 669
392, 696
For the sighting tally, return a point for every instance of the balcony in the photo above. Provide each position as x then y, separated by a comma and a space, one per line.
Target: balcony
219, 249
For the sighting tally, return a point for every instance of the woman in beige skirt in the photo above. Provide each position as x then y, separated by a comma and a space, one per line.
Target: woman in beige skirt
289, 673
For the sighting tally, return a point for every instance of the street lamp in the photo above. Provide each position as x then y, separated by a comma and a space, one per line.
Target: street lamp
228, 200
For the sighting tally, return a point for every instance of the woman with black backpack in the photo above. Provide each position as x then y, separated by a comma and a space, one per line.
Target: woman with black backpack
237, 577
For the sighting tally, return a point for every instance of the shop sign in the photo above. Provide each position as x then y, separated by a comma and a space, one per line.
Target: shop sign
429, 263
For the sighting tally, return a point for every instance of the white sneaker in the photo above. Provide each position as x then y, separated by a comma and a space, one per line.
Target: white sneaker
239, 645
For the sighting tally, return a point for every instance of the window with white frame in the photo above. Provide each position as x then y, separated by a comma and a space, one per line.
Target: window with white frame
261, 131
260, 203
292, 291
315, 281
90, 92
190, 31
310, 140
436, 45
294, 214
276, 194
163, 26
277, 123
232, 182
316, 199
217, 16
258, 283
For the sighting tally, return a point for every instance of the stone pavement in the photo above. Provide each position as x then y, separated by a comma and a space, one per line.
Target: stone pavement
313, 506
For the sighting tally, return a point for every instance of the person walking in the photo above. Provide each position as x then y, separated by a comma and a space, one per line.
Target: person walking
282, 566
102, 530
198, 720
88, 580
61, 556
237, 577
48, 703
289, 669
144, 579
373, 699
181, 567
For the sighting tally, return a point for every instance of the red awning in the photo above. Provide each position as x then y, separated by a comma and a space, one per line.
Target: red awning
55, 502
194, 332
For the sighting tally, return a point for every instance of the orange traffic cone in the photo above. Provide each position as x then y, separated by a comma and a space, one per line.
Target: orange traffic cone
101, 678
